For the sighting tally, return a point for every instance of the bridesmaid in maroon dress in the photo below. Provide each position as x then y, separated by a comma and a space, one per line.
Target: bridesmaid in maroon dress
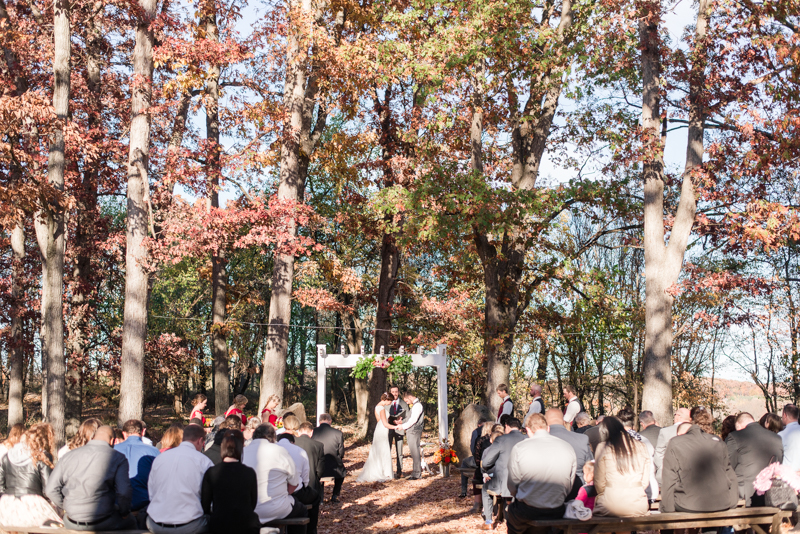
239, 402
267, 414
198, 405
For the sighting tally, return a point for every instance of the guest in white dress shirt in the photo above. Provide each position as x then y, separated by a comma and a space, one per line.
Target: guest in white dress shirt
175, 483
278, 478
790, 436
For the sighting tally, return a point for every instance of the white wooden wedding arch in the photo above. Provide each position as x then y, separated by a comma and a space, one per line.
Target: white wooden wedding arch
436, 359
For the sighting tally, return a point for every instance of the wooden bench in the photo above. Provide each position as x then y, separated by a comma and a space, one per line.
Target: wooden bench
47, 530
281, 524
738, 518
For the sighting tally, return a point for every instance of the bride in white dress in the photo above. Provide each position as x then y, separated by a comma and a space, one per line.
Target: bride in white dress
379, 464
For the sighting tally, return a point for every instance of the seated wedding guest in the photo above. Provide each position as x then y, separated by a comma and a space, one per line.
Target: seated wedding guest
682, 415
587, 493
771, 422
316, 463
702, 418
697, 474
215, 426
118, 436
14, 435
24, 471
277, 478
483, 443
790, 436
140, 458
172, 437
91, 485
649, 428
199, 403
494, 464
268, 412
594, 433
578, 442
252, 423
230, 490
232, 422
237, 408
583, 422
145, 439
541, 471
621, 473
626, 417
82, 437
304, 492
469, 462
176, 481
752, 448
333, 442
728, 426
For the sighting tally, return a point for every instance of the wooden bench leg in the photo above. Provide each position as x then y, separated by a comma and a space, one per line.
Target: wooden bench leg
777, 521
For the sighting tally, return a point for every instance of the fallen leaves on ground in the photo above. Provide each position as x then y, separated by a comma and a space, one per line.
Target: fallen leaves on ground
428, 505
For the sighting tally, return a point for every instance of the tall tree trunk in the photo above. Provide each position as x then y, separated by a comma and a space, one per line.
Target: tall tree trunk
663, 263
16, 354
219, 278
300, 138
82, 286
134, 332
50, 230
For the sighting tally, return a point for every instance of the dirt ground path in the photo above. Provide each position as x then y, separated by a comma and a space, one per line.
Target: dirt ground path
429, 505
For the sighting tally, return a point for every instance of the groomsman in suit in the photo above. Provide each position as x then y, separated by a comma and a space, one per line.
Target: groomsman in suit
333, 443
394, 412
413, 427
506, 406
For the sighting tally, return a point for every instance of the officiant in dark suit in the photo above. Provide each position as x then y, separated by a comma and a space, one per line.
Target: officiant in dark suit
398, 409
332, 441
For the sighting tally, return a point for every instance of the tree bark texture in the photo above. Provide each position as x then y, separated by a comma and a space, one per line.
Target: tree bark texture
219, 279
300, 137
663, 262
16, 354
82, 286
134, 330
50, 229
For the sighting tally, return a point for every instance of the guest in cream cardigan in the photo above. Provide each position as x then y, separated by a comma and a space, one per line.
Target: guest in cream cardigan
622, 472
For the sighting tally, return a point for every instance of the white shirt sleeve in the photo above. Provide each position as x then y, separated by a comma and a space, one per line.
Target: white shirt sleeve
416, 412
534, 408
573, 408
508, 408
304, 468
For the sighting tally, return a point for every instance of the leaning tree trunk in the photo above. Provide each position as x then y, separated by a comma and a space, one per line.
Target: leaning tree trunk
50, 230
219, 279
16, 354
663, 263
134, 330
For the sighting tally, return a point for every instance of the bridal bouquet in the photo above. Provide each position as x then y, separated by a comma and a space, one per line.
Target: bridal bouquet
445, 455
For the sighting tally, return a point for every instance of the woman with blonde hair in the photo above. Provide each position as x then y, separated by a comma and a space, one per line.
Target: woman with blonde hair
268, 413
252, 423
172, 437
24, 472
82, 437
237, 408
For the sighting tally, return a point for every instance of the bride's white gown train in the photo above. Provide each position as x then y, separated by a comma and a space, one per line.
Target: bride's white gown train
378, 467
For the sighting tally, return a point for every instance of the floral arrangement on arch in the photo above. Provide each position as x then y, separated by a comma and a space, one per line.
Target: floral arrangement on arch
763, 481
445, 455
394, 364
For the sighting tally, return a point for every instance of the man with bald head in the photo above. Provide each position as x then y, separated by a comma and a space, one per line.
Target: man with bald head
88, 482
682, 415
578, 442
752, 448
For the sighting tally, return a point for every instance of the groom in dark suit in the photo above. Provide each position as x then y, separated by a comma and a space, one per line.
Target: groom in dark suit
394, 412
